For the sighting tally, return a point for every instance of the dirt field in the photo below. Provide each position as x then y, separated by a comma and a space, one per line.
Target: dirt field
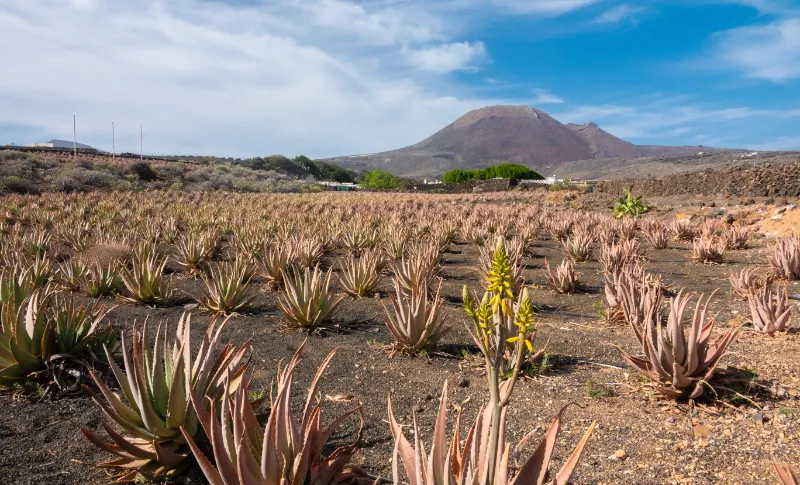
640, 439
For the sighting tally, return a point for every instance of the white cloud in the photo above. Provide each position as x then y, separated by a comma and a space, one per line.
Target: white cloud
444, 58
769, 51
227, 80
680, 131
763, 6
380, 26
544, 96
545, 7
617, 14
782, 143
665, 119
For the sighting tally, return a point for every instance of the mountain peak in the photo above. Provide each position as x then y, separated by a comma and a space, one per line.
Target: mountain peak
499, 111
500, 134
578, 127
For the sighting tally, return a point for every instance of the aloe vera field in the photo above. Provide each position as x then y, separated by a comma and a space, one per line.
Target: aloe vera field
518, 337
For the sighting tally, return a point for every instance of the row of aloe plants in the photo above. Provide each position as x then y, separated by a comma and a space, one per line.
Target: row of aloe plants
174, 408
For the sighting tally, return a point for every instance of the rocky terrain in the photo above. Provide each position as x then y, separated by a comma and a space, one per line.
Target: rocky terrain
769, 176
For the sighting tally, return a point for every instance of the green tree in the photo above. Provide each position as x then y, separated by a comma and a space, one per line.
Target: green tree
509, 171
381, 179
458, 176
504, 170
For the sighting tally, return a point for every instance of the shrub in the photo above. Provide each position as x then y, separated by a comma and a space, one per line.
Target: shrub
144, 171
77, 179
628, 205
504, 170
458, 176
560, 186
170, 171
17, 185
381, 180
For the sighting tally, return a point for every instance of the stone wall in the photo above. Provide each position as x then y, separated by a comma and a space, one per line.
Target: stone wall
766, 180
473, 186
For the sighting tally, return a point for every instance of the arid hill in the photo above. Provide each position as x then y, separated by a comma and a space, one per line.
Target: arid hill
515, 134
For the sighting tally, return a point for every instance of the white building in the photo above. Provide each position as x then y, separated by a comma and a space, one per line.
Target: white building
58, 144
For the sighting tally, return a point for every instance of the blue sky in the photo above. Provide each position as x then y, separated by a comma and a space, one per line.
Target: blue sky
337, 77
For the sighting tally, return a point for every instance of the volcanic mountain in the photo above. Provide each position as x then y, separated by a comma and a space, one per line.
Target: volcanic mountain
505, 134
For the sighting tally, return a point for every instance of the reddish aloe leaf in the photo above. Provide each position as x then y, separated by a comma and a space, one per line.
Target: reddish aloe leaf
211, 473
569, 466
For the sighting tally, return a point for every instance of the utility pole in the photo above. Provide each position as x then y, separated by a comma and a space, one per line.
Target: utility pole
113, 143
74, 139
141, 151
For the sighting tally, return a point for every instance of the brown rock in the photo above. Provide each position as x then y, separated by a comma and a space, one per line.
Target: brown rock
700, 431
618, 455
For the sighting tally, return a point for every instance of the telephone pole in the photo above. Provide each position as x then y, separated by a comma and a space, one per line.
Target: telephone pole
113, 143
141, 150
74, 139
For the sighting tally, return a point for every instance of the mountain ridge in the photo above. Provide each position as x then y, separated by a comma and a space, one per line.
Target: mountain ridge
506, 134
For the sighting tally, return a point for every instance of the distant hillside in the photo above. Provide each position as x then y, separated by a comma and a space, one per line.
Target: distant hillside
68, 144
38, 170
506, 134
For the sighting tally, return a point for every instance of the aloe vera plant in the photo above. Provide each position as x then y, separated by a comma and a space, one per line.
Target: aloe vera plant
360, 274
562, 279
785, 474
72, 274
227, 288
26, 340
616, 284
616, 254
478, 461
515, 253
497, 320
145, 281
156, 384
680, 365
770, 311
578, 246
748, 282
736, 237
785, 258
411, 272
81, 328
657, 234
101, 280
708, 249
194, 251
285, 451
309, 300
415, 322
273, 261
